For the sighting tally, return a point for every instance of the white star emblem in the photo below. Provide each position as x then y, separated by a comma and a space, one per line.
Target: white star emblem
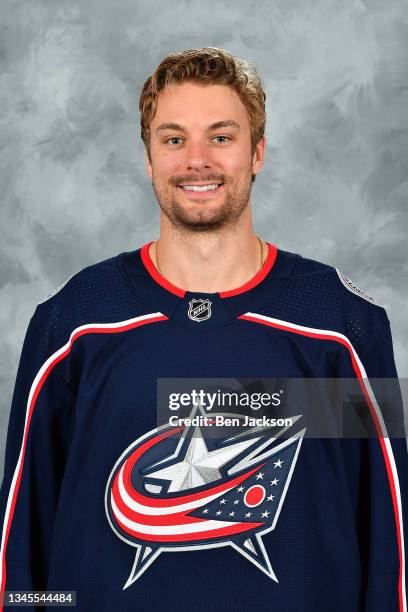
259, 476
275, 481
278, 463
200, 466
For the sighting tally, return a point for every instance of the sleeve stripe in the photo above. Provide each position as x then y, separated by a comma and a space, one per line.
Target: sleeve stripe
36, 387
383, 438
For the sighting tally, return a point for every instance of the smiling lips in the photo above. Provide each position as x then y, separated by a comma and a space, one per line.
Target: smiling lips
197, 191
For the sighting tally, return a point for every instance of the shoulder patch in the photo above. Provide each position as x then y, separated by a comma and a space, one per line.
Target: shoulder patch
353, 288
50, 295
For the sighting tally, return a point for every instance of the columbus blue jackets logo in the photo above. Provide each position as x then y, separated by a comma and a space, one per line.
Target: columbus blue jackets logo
199, 309
179, 488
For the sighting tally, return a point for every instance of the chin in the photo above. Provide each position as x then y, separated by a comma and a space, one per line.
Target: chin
202, 224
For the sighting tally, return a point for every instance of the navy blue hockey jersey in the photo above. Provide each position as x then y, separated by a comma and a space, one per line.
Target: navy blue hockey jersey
97, 496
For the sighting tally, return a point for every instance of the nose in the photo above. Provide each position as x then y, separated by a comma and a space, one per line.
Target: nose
198, 156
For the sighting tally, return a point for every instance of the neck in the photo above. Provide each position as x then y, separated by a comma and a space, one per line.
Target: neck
208, 262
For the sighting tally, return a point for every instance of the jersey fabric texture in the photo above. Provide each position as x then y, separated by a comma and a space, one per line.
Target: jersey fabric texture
83, 431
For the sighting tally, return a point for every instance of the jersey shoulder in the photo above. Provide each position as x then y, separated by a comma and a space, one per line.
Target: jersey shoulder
323, 281
98, 293
320, 296
351, 286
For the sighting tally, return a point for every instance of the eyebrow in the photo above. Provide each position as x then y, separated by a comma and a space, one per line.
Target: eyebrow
214, 126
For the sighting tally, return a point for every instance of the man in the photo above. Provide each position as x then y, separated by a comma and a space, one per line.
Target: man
98, 494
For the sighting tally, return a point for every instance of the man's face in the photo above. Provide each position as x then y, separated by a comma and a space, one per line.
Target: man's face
187, 148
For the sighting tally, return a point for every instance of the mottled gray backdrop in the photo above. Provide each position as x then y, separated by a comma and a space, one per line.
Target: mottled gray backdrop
73, 183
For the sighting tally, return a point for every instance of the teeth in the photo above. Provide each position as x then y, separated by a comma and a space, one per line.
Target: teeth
199, 187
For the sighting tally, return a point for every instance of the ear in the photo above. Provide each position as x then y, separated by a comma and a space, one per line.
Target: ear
148, 164
258, 158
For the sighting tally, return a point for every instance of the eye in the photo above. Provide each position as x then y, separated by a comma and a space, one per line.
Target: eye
227, 137
173, 138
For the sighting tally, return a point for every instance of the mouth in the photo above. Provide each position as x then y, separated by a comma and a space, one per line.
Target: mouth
199, 192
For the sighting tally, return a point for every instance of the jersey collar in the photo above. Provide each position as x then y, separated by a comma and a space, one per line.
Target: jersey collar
253, 282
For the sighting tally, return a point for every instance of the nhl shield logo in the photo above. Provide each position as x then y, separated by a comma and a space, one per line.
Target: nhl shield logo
199, 309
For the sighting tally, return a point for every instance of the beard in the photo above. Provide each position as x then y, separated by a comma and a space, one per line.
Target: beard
204, 217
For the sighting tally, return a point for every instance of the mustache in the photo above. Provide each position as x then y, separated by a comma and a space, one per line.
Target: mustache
176, 181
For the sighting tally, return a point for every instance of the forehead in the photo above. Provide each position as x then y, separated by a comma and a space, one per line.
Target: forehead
199, 104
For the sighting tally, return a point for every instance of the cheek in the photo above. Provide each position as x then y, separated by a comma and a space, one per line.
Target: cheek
235, 165
166, 165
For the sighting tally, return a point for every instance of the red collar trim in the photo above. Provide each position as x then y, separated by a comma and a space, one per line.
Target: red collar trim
255, 280
153, 271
